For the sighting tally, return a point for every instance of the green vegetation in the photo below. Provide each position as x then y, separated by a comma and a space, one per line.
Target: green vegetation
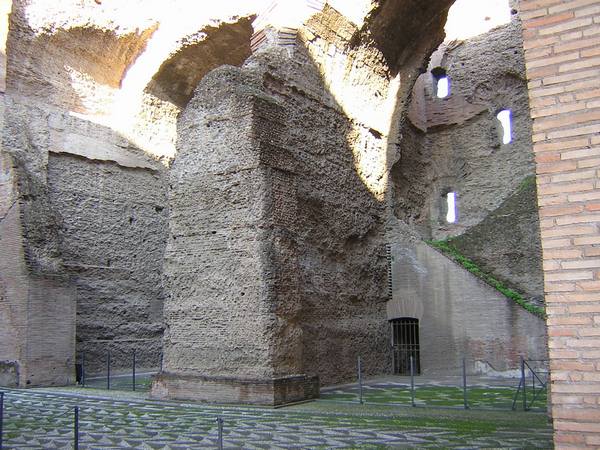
470, 424
439, 396
449, 250
40, 419
526, 183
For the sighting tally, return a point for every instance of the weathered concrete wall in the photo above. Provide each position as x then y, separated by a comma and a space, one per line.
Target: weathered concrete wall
223, 334
13, 275
112, 237
454, 144
94, 213
37, 311
280, 184
217, 313
12, 270
461, 150
561, 50
507, 243
460, 316
46, 76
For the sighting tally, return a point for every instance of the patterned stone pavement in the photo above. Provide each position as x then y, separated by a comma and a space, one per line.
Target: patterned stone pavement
36, 419
482, 393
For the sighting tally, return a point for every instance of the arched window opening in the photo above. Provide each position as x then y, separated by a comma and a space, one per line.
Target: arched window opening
505, 119
451, 207
405, 345
441, 82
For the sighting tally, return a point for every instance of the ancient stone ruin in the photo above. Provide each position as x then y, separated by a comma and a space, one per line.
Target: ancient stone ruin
253, 194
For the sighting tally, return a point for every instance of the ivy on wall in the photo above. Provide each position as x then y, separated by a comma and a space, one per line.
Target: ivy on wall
445, 247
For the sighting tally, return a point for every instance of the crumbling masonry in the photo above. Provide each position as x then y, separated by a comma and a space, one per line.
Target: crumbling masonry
247, 196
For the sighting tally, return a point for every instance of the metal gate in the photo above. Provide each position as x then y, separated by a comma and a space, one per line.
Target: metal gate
405, 343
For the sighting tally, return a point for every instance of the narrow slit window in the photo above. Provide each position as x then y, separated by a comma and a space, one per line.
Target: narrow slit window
443, 87
505, 119
441, 82
451, 207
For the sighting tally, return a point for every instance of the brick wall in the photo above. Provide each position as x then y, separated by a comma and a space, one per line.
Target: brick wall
13, 276
562, 50
37, 314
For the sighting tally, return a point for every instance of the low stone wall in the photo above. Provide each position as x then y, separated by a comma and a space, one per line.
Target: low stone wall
275, 391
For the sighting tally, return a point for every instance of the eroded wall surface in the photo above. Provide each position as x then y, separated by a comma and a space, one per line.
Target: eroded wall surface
37, 313
51, 84
112, 236
290, 163
454, 144
13, 291
93, 91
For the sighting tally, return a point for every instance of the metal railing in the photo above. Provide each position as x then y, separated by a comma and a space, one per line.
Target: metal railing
536, 374
125, 375
532, 387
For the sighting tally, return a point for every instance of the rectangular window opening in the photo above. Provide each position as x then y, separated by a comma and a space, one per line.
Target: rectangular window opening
451, 207
443, 87
505, 119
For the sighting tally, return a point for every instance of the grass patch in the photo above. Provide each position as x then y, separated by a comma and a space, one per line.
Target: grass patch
526, 183
440, 396
449, 250
35, 417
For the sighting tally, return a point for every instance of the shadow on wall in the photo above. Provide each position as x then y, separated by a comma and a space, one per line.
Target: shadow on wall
454, 144
317, 240
178, 76
46, 72
93, 207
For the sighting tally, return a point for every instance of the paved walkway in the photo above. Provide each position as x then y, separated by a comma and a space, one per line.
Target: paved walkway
44, 420
482, 392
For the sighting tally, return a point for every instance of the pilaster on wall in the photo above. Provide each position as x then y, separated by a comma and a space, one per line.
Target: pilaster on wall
37, 313
562, 51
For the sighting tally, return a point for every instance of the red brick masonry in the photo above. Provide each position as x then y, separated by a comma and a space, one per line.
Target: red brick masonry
562, 51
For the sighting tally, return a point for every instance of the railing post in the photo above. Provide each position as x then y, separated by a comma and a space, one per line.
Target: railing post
133, 371
1, 417
76, 429
464, 373
524, 381
360, 387
412, 381
108, 370
220, 431
83, 369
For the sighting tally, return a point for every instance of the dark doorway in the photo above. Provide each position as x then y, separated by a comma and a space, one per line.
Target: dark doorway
405, 343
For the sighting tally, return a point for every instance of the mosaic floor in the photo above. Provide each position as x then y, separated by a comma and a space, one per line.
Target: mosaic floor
486, 394
35, 419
